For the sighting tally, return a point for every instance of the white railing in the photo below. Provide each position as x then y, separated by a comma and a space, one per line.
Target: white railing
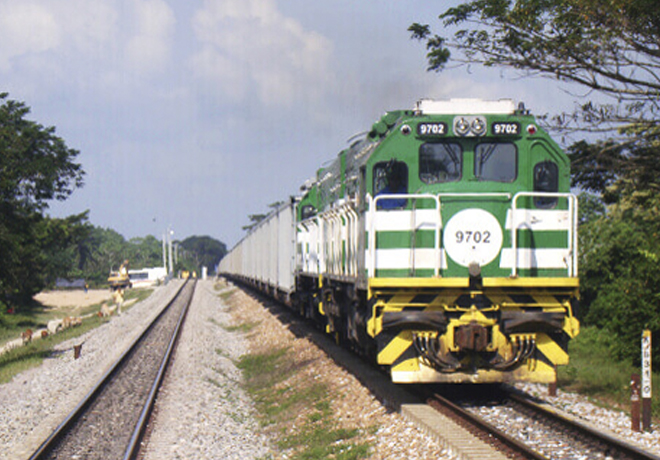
571, 259
329, 241
404, 220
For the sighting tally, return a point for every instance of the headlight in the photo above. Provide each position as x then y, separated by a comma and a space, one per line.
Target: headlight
461, 126
479, 126
470, 126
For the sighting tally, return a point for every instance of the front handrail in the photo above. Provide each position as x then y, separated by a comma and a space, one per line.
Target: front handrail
373, 209
572, 228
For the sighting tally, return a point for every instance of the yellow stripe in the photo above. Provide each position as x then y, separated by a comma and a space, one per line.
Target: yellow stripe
532, 282
395, 348
551, 350
400, 299
409, 365
375, 283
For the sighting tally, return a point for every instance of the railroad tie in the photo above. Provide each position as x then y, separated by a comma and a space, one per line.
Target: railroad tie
456, 439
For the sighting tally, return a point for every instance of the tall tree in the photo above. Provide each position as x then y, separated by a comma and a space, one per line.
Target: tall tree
608, 47
36, 166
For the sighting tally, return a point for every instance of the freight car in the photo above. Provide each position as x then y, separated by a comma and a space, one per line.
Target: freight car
442, 244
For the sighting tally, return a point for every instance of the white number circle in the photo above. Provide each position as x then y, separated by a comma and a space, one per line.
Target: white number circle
472, 235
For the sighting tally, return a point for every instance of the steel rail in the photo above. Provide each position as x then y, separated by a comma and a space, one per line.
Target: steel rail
60, 431
447, 407
138, 433
621, 447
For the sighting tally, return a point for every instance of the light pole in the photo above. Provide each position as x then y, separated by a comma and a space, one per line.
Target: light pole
165, 252
170, 232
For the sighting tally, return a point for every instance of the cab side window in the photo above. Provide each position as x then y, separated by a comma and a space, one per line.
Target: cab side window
546, 179
390, 178
307, 211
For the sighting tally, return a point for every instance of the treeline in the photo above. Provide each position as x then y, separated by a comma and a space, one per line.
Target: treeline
98, 250
72, 248
37, 167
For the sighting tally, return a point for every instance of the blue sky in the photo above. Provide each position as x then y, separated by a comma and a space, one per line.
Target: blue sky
196, 114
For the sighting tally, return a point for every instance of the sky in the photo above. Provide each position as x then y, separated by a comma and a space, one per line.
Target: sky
192, 115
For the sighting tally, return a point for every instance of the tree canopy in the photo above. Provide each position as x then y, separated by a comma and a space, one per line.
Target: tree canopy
35, 166
201, 251
609, 48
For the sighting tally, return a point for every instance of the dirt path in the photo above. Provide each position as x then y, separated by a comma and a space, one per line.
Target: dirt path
76, 298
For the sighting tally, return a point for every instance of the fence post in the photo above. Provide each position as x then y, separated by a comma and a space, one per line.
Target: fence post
646, 380
634, 403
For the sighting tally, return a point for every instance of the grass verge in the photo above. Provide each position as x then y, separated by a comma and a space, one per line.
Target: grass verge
32, 355
36, 316
298, 411
594, 372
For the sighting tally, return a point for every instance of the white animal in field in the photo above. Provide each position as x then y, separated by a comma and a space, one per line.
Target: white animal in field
54, 326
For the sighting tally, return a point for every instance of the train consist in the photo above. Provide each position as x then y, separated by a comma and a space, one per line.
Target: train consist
443, 245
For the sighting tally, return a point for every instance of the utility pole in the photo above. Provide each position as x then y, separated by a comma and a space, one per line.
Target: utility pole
170, 232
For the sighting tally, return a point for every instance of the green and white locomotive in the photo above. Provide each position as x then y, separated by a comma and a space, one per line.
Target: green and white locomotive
443, 244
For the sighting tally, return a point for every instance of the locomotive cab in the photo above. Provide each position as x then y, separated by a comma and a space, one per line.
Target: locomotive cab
472, 275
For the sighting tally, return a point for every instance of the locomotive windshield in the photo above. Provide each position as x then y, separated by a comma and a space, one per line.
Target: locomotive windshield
496, 162
440, 162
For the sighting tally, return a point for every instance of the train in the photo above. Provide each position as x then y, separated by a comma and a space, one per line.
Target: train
441, 244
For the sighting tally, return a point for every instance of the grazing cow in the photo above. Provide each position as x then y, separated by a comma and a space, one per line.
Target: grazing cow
54, 326
105, 311
26, 336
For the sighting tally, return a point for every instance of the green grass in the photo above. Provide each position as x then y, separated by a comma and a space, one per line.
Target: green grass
278, 404
594, 372
243, 328
32, 355
36, 316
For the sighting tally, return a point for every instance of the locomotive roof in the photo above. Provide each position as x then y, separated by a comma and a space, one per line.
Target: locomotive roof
465, 107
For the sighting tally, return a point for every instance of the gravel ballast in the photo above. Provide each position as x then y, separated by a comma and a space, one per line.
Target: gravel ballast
37, 400
203, 411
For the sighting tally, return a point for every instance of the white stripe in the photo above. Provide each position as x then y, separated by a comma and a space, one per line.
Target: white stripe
538, 219
536, 258
402, 220
394, 259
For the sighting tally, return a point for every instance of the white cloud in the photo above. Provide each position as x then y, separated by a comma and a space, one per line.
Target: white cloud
100, 35
149, 49
26, 27
249, 46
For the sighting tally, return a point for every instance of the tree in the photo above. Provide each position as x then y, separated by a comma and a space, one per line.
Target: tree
201, 251
36, 166
607, 47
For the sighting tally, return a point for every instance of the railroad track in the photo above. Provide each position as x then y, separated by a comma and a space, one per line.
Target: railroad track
112, 418
594, 441
459, 423
546, 433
